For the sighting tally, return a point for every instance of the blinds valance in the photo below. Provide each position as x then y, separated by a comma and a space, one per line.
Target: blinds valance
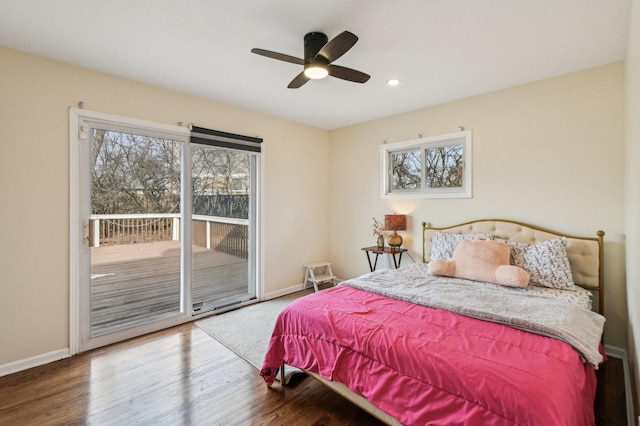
223, 139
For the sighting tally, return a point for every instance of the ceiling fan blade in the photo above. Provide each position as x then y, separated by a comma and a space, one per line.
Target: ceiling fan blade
298, 81
347, 74
338, 46
278, 56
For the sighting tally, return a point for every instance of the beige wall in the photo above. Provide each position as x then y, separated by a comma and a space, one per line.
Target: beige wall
549, 153
35, 96
633, 191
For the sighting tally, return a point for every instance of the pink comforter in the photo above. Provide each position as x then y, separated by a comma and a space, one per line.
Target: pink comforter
427, 366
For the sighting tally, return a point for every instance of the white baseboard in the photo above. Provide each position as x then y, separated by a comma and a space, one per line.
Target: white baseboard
34, 361
283, 292
616, 352
289, 290
622, 354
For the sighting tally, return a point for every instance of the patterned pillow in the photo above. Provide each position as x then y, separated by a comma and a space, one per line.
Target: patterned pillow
443, 244
547, 262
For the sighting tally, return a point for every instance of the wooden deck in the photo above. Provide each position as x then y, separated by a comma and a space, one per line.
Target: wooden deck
135, 283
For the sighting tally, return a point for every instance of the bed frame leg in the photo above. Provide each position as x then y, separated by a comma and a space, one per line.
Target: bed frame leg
282, 375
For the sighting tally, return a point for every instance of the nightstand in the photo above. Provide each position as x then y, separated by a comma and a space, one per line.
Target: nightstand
382, 250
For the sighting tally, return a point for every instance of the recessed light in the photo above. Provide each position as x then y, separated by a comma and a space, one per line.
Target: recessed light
393, 82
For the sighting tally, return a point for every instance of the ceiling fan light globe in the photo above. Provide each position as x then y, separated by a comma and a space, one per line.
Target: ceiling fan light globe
316, 72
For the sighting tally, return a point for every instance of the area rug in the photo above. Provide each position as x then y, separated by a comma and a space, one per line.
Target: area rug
247, 331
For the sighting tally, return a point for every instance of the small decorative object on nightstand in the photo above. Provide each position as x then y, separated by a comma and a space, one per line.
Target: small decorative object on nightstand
378, 231
395, 222
310, 274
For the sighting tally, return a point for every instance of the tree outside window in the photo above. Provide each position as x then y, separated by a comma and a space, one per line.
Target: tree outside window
444, 167
406, 170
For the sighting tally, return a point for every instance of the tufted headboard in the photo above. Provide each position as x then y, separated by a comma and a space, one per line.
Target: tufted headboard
585, 253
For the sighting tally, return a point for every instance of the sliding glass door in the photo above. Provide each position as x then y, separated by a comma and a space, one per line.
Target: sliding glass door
134, 229
167, 223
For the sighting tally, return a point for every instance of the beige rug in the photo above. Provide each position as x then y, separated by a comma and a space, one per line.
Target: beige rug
247, 331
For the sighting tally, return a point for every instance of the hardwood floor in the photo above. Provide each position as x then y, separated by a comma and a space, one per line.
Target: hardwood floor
611, 404
179, 376
182, 376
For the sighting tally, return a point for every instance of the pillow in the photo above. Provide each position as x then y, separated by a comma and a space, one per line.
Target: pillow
443, 244
481, 260
547, 262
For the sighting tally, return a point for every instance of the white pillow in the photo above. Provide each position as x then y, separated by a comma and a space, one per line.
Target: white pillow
547, 262
444, 244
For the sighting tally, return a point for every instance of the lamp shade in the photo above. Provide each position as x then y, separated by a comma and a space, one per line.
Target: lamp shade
395, 222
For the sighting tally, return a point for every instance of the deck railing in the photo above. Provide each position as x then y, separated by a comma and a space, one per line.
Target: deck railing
223, 234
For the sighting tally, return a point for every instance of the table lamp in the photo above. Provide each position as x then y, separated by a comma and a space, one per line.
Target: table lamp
395, 222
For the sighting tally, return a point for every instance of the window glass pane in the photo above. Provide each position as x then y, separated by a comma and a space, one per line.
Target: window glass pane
405, 170
220, 227
135, 244
134, 174
444, 167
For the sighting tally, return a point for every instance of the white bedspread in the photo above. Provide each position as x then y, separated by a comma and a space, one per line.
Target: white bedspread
574, 325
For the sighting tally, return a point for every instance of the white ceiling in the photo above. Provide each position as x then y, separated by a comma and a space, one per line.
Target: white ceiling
441, 50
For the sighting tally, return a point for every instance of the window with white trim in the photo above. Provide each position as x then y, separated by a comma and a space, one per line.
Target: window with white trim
432, 167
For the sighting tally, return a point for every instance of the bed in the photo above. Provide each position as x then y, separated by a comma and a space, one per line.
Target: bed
413, 348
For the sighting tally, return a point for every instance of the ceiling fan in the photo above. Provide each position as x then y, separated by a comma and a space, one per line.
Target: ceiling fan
319, 53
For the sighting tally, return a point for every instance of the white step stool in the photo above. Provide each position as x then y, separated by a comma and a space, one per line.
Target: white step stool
310, 274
